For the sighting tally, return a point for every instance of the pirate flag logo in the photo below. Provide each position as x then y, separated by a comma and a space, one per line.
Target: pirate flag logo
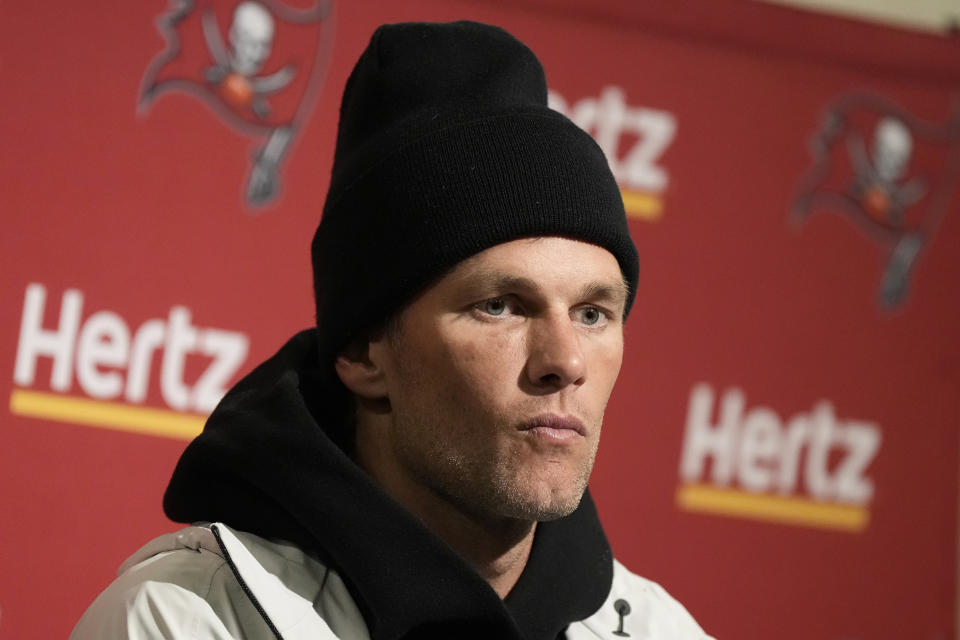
891, 174
258, 65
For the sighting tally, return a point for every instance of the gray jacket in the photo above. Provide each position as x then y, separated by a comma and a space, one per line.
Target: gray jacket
215, 583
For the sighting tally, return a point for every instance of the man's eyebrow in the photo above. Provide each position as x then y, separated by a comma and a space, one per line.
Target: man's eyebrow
497, 281
602, 290
501, 281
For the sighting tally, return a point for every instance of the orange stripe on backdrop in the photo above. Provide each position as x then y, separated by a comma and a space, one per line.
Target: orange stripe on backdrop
642, 206
106, 415
772, 508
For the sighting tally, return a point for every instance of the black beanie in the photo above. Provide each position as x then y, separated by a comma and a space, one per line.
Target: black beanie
446, 147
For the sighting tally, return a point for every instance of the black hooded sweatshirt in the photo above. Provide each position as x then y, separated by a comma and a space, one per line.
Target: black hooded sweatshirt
264, 464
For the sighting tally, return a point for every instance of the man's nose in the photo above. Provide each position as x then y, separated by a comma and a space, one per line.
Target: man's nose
555, 355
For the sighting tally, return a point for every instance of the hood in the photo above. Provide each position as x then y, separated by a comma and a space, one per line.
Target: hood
264, 464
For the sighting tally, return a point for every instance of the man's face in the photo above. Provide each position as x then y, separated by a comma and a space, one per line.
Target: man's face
498, 375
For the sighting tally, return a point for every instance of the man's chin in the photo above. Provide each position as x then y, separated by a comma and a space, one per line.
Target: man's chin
544, 509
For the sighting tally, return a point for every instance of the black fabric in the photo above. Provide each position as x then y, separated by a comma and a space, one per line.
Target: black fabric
446, 147
264, 465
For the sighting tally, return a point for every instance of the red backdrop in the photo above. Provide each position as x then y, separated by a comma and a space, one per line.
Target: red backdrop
782, 448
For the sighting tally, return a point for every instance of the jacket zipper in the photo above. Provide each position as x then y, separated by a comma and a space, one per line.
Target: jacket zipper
243, 584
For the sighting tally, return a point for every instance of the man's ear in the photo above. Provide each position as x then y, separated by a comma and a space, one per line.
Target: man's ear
361, 374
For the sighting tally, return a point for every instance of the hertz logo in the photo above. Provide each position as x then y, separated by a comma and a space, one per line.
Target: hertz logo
810, 470
112, 366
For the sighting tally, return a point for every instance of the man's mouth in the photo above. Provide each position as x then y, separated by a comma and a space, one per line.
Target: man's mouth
554, 427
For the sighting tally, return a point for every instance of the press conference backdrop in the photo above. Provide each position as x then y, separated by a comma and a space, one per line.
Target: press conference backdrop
781, 452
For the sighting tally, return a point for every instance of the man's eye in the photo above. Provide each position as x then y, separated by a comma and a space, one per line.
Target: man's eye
590, 316
494, 306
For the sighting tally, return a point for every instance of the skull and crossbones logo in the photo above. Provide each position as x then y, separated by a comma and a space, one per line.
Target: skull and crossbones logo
235, 68
878, 183
222, 51
893, 182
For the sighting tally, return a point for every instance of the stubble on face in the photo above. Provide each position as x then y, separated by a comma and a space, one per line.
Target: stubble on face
456, 458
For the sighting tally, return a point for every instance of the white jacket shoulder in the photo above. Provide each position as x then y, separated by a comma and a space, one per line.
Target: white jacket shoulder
166, 590
216, 584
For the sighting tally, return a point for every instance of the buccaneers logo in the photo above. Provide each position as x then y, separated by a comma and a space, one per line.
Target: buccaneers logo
257, 64
891, 174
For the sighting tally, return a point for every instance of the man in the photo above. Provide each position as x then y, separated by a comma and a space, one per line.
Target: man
416, 466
